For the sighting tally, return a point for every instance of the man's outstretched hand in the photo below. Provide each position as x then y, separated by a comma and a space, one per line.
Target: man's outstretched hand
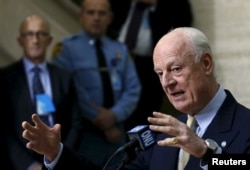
41, 138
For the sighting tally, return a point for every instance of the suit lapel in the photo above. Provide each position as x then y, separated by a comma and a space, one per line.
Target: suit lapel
54, 80
20, 79
220, 129
19, 91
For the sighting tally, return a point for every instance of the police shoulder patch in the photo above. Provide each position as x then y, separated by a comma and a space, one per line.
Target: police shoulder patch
57, 49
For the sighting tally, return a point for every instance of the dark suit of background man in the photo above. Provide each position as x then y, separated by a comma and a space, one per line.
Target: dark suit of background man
162, 16
19, 98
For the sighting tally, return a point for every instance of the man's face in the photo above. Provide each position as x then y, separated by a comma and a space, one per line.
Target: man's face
34, 39
184, 81
95, 17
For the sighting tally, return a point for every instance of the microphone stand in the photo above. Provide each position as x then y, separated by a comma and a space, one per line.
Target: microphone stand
128, 157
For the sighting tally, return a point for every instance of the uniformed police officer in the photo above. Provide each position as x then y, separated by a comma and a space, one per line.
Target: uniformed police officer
104, 132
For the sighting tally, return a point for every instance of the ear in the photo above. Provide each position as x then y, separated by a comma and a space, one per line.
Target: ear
111, 17
20, 41
50, 39
79, 16
207, 62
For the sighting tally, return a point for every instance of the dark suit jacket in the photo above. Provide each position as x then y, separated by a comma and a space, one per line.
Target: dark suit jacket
168, 14
19, 107
5, 159
230, 125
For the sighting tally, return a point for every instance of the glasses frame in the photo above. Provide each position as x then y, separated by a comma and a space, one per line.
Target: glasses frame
39, 34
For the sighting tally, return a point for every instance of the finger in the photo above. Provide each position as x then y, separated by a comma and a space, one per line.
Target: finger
31, 146
38, 122
36, 119
160, 115
32, 138
27, 126
161, 119
25, 134
29, 135
174, 141
57, 127
165, 129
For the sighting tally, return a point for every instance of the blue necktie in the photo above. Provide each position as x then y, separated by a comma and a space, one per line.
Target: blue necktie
38, 89
37, 84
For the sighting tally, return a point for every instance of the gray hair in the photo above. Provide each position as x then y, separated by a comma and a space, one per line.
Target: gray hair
198, 42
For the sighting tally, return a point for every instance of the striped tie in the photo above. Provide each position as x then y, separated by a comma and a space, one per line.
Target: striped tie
37, 84
184, 156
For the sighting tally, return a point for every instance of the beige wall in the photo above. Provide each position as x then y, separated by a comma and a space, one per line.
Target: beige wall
226, 22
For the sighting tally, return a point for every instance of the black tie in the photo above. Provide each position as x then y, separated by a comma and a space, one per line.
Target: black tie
38, 89
107, 87
134, 25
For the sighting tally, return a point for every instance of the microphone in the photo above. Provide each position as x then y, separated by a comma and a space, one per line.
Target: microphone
141, 137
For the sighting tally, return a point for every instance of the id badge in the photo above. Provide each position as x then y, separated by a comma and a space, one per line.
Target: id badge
116, 80
44, 104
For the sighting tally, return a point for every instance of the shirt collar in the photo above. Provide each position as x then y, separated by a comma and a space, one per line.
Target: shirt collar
91, 40
29, 65
206, 115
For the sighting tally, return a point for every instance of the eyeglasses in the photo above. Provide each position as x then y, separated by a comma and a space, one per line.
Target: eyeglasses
39, 35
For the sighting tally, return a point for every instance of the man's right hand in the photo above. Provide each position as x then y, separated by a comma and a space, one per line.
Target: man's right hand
105, 118
113, 135
42, 139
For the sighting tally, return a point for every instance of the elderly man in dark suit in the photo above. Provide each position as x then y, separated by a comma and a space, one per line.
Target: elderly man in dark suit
55, 103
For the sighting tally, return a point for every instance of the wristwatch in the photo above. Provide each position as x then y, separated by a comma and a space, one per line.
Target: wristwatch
212, 146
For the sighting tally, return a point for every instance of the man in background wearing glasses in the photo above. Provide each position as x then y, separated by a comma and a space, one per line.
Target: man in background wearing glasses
48, 91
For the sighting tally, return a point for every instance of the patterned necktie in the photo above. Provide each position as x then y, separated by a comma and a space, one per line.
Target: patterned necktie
37, 84
38, 89
134, 25
108, 100
184, 157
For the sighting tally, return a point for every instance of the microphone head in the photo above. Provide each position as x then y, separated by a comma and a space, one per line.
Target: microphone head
144, 135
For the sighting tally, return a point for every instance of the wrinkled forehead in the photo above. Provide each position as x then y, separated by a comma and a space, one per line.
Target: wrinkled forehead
34, 23
171, 43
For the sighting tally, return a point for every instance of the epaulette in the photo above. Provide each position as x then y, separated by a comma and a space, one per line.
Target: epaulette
57, 49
